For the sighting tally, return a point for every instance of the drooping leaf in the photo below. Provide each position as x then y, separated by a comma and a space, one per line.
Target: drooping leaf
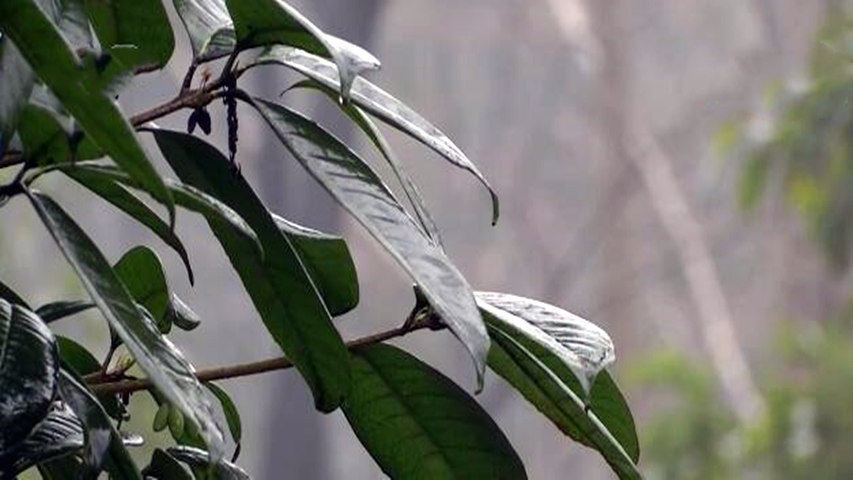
163, 466
327, 260
140, 270
118, 195
181, 315
232, 415
77, 86
104, 446
58, 434
382, 105
277, 283
209, 27
270, 22
43, 137
361, 192
28, 369
199, 461
164, 365
135, 33
416, 423
50, 312
6, 293
78, 359
15, 89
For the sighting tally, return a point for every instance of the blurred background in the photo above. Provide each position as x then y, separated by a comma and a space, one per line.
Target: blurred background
679, 172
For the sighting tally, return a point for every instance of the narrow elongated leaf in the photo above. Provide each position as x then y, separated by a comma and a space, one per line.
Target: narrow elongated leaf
58, 434
104, 446
381, 104
167, 369
165, 467
77, 87
416, 423
53, 311
118, 195
43, 137
15, 89
361, 192
28, 369
6, 293
68, 467
209, 27
268, 22
277, 283
232, 415
142, 274
327, 260
199, 461
135, 32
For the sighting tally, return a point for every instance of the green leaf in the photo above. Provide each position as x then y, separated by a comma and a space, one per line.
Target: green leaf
278, 284
328, 262
199, 460
165, 366
51, 312
135, 32
416, 423
58, 434
110, 190
181, 315
232, 415
142, 274
78, 359
104, 445
28, 369
268, 22
76, 86
6, 293
68, 467
43, 137
361, 192
208, 26
165, 467
382, 105
15, 89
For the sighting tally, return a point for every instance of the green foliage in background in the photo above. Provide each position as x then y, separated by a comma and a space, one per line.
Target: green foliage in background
64, 412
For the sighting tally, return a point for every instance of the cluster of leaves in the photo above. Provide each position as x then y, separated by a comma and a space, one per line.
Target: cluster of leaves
63, 65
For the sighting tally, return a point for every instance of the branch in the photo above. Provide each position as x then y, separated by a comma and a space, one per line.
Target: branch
102, 384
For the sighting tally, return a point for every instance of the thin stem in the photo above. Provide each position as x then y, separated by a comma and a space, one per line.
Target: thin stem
11, 158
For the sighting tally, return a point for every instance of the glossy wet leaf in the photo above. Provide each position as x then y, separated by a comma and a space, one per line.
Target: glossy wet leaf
141, 272
274, 22
327, 260
15, 89
43, 137
6, 293
28, 370
209, 27
58, 434
199, 461
379, 103
77, 358
165, 467
181, 315
164, 365
77, 87
112, 191
104, 447
361, 192
134, 32
416, 423
50, 312
232, 415
277, 283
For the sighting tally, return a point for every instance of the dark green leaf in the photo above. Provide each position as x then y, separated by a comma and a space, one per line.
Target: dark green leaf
134, 32
361, 192
165, 366
270, 22
327, 260
53, 311
281, 290
76, 86
165, 467
232, 415
68, 467
209, 27
58, 434
43, 137
142, 273
118, 195
379, 103
199, 460
15, 89
416, 423
180, 314
28, 369
75, 357
10, 296
104, 446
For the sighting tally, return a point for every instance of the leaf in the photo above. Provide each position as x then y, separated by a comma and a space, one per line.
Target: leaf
76, 358
328, 262
199, 461
382, 105
142, 274
43, 137
267, 22
165, 366
180, 314
104, 445
76, 86
232, 415
208, 26
58, 434
118, 195
416, 423
28, 369
361, 192
51, 312
10, 296
15, 89
165, 467
279, 286
135, 32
